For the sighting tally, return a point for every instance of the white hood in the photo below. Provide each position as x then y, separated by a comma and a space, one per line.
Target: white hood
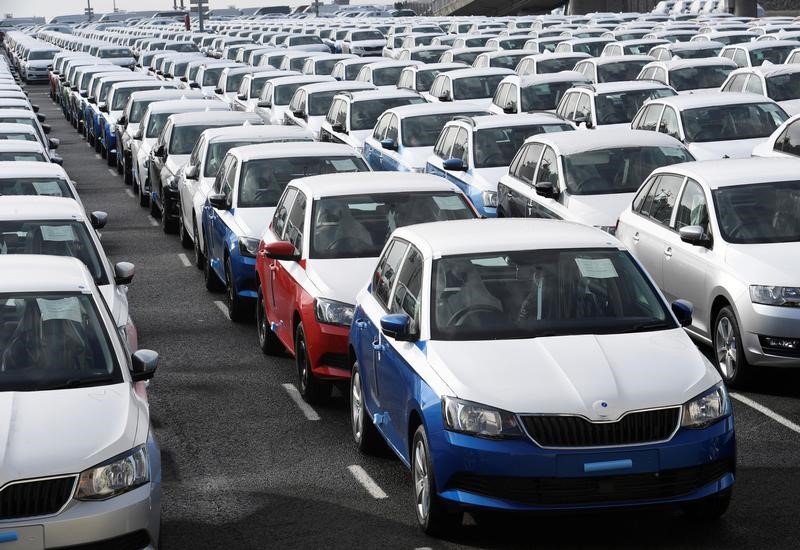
86, 425
791, 106
715, 150
486, 179
568, 374
253, 221
597, 210
340, 279
765, 264
416, 157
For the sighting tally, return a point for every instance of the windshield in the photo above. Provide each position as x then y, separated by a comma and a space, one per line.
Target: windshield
637, 49
54, 238
20, 136
284, 93
304, 40
507, 61
156, 124
387, 76
617, 72
320, 102
54, 341
357, 226
121, 95
41, 55
731, 122
217, 151
211, 76
476, 87
697, 53
423, 131
425, 79
618, 170
775, 55
539, 293
367, 35
592, 48
621, 107
695, 78
364, 114
48, 187
427, 56
543, 97
546, 66
784, 87
184, 138
234, 81
466, 57
117, 52
185, 47
263, 180
16, 156
325, 66
351, 71
759, 213
497, 146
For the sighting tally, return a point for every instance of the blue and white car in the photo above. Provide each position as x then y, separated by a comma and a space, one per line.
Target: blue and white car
533, 365
475, 152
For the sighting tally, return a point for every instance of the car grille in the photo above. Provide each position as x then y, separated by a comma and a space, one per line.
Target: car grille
132, 541
593, 489
35, 498
575, 431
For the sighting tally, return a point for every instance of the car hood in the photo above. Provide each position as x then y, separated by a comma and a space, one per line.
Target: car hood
765, 264
714, 150
253, 221
487, 178
791, 106
340, 279
597, 210
570, 374
368, 43
415, 157
39, 63
90, 425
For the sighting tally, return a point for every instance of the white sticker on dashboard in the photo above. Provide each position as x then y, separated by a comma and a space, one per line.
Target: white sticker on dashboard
57, 233
600, 268
61, 308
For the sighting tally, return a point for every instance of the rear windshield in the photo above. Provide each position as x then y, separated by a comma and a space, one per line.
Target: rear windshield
47, 187
19, 156
117, 52
423, 131
364, 114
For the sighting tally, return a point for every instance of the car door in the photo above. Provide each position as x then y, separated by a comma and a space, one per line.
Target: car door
686, 267
215, 227
157, 162
287, 272
518, 187
188, 187
373, 152
275, 293
547, 170
441, 151
460, 151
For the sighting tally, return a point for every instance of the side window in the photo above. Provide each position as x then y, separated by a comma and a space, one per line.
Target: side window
740, 58
661, 199
332, 112
436, 87
548, 167
527, 166
244, 88
380, 128
647, 74
669, 123
567, 106
392, 129
282, 211
754, 85
341, 113
791, 144
405, 80
460, 146
294, 225
727, 53
445, 142
525, 67
639, 199
407, 293
693, 209
583, 109
660, 75
501, 95
734, 84
385, 273
649, 119
222, 173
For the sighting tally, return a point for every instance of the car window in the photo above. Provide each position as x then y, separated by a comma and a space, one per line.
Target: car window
294, 224
639, 199
282, 211
445, 143
647, 74
548, 168
740, 58
226, 166
460, 146
735, 84
501, 95
228, 181
789, 142
660, 75
754, 85
392, 129
583, 109
661, 199
567, 106
669, 123
693, 207
527, 166
380, 128
385, 273
407, 293
648, 120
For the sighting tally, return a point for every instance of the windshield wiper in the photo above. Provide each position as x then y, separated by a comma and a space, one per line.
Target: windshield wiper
652, 325
82, 382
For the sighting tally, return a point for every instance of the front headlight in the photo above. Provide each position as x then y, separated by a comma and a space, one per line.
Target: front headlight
248, 246
476, 419
706, 408
489, 198
332, 312
788, 296
116, 476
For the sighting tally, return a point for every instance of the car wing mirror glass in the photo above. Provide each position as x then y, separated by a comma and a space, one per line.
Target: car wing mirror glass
694, 235
281, 250
456, 165
546, 189
389, 144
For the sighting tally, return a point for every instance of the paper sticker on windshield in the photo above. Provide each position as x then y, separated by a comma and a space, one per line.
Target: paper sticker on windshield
47, 188
57, 233
601, 268
62, 308
449, 202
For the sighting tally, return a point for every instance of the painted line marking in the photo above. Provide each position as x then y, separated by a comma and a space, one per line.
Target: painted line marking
367, 482
130, 193
768, 412
222, 307
97, 156
153, 221
294, 394
184, 260
112, 171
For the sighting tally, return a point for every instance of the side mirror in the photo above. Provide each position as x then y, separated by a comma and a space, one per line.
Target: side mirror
281, 250
299, 114
103, 108
143, 365
455, 165
123, 273
40, 117
123, 121
46, 128
683, 311
546, 189
218, 201
159, 151
242, 97
264, 104
35, 108
694, 235
445, 96
53, 143
190, 172
194, 85
139, 133
92, 100
98, 219
339, 127
389, 144
397, 326
84, 94
183, 79
57, 159
218, 91
510, 108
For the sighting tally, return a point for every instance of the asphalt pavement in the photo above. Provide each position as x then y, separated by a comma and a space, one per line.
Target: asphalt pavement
245, 467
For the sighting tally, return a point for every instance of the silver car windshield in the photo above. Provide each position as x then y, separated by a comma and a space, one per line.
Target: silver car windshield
759, 213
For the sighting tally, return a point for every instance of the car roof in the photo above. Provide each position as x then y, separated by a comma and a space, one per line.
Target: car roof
15, 128
563, 76
421, 109
39, 207
139, 83
166, 94
33, 273
522, 119
730, 172
759, 44
607, 59
625, 86
476, 236
303, 149
309, 78
692, 101
356, 183
696, 45
771, 70
31, 169
366, 95
487, 71
234, 133
17, 113
569, 143
365, 59
181, 105
675, 64
437, 66
343, 85
557, 55
213, 117
21, 146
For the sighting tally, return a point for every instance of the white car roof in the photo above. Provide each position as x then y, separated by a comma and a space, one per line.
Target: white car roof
761, 44
422, 109
214, 117
183, 106
365, 59
302, 78
14, 128
451, 238
39, 207
265, 131
568, 143
676, 47
390, 64
533, 79
304, 149
676, 64
17, 113
356, 183
693, 101
730, 172
437, 66
345, 85
626, 86
365, 95
31, 169
140, 83
771, 70
166, 94
20, 146
487, 71
522, 119
559, 55
608, 59
33, 273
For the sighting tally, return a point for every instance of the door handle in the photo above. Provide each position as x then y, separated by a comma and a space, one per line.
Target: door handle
636, 237
668, 252
361, 324
273, 266
377, 345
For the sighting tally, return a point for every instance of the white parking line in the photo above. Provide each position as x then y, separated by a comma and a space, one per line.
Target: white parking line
184, 260
153, 221
130, 193
309, 413
768, 412
112, 171
367, 482
222, 307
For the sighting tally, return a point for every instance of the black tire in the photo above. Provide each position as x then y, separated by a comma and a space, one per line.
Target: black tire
239, 309
213, 284
154, 211
97, 145
199, 257
728, 349
111, 159
433, 517
312, 389
127, 172
144, 197
708, 509
267, 340
186, 241
168, 225
365, 434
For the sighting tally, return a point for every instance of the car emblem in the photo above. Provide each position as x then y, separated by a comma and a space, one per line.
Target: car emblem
601, 408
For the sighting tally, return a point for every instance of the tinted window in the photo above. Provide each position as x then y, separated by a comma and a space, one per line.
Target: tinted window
49, 187
476, 87
282, 211
692, 210
760, 213
661, 198
423, 131
784, 87
615, 72
497, 146
385, 273
731, 122
364, 114
407, 292
621, 107
694, 78
530, 158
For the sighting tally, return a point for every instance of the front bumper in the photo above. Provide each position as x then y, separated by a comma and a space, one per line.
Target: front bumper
327, 347
776, 321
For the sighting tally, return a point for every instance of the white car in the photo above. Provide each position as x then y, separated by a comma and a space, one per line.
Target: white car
311, 102
473, 86
542, 92
780, 83
783, 142
384, 74
26, 151
35, 178
249, 92
689, 76
363, 42
229, 82
78, 396
278, 92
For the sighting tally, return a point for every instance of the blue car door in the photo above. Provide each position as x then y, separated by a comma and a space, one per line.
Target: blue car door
215, 229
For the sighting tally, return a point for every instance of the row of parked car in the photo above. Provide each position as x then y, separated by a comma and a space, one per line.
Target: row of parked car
286, 213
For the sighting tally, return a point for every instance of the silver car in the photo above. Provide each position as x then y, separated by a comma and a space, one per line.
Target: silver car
726, 236
80, 461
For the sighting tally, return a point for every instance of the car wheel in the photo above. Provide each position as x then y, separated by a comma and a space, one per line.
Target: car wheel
312, 389
433, 517
238, 308
366, 436
728, 348
144, 198
709, 508
154, 211
267, 340
186, 241
127, 172
199, 257
212, 282
167, 224
111, 158
97, 145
